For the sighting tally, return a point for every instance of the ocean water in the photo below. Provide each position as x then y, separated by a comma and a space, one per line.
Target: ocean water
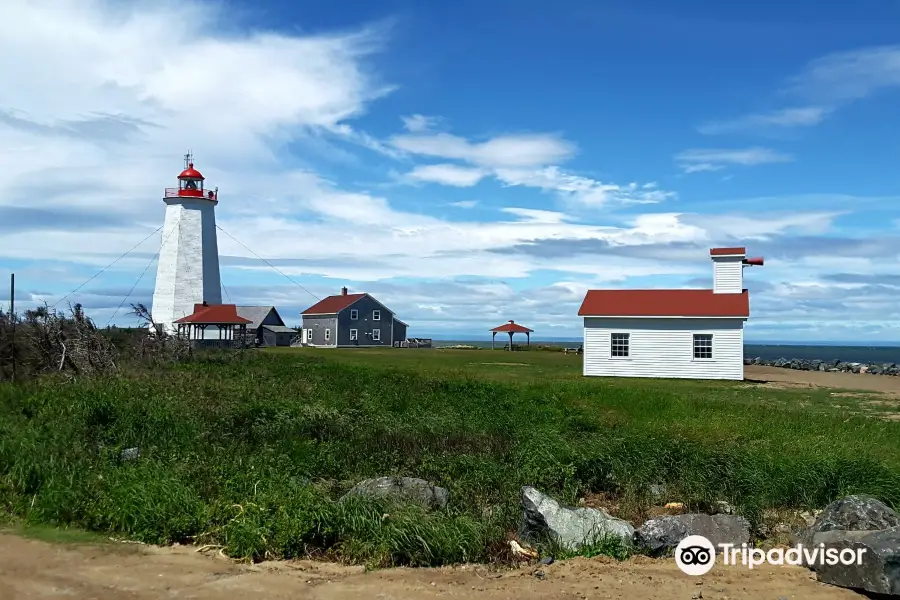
862, 354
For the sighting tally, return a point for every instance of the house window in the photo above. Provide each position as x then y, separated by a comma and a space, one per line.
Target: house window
376, 335
354, 314
703, 345
327, 334
376, 315
619, 345
354, 335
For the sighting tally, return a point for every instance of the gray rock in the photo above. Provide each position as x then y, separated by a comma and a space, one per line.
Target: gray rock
879, 572
570, 527
658, 492
722, 507
130, 453
659, 536
402, 489
852, 513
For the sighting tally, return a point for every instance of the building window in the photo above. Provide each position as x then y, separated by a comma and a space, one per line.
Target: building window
619, 345
376, 315
376, 335
703, 345
327, 334
354, 314
354, 335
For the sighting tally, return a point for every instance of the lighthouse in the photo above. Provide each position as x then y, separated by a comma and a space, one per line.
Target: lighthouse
188, 269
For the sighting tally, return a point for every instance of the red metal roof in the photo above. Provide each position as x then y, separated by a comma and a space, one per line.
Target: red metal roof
215, 314
512, 327
726, 251
332, 304
190, 173
664, 303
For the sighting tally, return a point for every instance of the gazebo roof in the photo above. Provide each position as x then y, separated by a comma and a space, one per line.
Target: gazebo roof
512, 327
216, 314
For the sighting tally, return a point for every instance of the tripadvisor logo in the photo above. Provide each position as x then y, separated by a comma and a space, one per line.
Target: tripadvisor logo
696, 555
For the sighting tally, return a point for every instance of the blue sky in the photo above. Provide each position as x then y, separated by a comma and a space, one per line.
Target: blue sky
467, 163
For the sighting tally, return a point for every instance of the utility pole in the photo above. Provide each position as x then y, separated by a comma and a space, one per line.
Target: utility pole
13, 319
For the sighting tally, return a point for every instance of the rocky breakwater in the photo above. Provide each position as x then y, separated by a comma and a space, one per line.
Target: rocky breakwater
833, 366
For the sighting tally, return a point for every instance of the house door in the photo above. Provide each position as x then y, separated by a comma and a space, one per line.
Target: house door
304, 337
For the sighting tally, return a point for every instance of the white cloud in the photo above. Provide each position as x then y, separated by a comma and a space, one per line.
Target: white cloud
503, 151
805, 116
583, 190
520, 160
846, 76
826, 83
465, 204
418, 123
447, 174
531, 215
712, 159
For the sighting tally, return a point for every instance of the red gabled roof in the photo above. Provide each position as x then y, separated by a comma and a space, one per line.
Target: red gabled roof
664, 303
726, 251
332, 304
215, 314
512, 327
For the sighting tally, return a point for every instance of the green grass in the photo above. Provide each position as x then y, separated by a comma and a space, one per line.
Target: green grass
250, 453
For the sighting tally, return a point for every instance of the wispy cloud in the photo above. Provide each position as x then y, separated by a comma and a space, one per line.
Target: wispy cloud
805, 116
531, 215
712, 159
447, 174
823, 86
464, 203
527, 160
419, 123
528, 150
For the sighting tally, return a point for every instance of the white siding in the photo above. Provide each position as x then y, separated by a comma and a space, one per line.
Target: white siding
728, 275
188, 268
664, 348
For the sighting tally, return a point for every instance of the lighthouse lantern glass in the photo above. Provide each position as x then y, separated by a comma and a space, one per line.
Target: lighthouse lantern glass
191, 184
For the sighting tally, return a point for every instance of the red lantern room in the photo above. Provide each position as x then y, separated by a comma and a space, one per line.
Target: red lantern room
190, 183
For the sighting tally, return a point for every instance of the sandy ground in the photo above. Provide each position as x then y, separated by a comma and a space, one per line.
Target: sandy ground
36, 569
884, 384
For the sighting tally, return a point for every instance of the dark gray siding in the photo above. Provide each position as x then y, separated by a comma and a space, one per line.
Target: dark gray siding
272, 319
399, 331
268, 337
364, 324
319, 324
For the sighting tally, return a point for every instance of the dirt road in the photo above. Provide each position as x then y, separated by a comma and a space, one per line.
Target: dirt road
885, 384
40, 570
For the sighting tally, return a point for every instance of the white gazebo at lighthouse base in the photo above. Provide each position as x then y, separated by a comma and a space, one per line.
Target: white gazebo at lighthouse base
188, 269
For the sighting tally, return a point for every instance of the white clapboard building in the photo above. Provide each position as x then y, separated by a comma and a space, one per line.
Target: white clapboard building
683, 333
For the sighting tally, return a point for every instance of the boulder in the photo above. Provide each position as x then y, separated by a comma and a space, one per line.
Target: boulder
662, 535
852, 513
543, 517
879, 571
401, 489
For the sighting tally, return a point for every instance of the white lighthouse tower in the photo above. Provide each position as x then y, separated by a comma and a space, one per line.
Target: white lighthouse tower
188, 269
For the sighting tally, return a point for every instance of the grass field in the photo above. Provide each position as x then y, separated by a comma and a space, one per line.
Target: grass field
250, 452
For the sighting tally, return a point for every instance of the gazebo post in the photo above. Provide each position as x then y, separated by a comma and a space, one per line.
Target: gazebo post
493, 337
528, 339
510, 341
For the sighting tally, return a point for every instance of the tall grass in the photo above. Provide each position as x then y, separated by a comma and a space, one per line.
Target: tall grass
251, 455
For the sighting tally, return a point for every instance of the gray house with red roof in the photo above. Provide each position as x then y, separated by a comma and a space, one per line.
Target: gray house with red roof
349, 321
